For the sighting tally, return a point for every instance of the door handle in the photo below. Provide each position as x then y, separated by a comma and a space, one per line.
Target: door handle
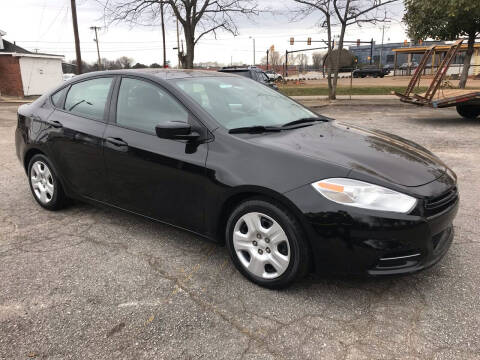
56, 124
116, 141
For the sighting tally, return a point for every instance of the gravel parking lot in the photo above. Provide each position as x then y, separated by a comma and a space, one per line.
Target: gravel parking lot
89, 282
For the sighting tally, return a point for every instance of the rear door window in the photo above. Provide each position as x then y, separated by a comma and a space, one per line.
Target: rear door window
89, 98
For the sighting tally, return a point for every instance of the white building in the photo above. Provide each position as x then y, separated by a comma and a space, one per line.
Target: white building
24, 73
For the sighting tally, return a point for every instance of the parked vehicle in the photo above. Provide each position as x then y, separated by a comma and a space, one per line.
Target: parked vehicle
274, 75
467, 102
288, 191
406, 66
251, 72
373, 71
68, 76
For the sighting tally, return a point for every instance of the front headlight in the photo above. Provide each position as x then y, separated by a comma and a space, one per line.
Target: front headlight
364, 195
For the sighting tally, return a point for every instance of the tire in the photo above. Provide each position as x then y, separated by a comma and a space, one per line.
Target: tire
275, 263
44, 184
468, 111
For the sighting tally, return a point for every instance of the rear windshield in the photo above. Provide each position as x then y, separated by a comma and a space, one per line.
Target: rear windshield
245, 73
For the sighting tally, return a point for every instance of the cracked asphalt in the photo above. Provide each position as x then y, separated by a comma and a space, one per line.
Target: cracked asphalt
96, 283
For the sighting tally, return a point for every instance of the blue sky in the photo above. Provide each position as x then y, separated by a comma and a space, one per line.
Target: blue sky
46, 25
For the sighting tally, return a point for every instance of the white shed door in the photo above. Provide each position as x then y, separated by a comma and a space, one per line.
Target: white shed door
40, 75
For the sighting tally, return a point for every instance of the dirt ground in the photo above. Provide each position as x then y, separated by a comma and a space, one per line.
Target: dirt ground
386, 81
96, 283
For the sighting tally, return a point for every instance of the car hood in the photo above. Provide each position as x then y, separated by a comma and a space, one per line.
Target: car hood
373, 153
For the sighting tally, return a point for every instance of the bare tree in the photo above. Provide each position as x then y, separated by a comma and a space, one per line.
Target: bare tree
124, 62
317, 58
110, 64
343, 13
197, 17
302, 61
274, 59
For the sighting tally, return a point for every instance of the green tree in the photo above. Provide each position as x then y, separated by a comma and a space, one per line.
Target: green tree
139, 66
445, 20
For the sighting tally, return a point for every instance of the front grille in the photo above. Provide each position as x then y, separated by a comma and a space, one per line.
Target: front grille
437, 204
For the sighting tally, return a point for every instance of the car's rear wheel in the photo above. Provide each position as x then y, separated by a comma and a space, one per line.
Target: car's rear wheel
266, 244
468, 111
44, 184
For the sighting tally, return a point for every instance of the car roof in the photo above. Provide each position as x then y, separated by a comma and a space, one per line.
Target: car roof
165, 74
235, 69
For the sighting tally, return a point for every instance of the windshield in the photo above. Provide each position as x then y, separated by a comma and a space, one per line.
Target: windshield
237, 102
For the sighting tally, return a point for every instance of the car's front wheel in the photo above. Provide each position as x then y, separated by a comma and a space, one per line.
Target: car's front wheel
266, 244
44, 184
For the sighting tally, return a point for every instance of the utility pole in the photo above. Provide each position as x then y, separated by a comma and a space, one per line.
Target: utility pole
381, 48
96, 28
267, 57
371, 51
77, 40
253, 49
163, 37
286, 63
178, 48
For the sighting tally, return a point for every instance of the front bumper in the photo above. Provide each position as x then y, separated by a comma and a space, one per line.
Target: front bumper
352, 240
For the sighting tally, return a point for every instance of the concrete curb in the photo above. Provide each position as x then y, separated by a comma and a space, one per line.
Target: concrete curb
345, 100
15, 101
345, 97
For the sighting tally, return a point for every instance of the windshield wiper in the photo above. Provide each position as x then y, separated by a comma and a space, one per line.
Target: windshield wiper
78, 103
306, 120
258, 129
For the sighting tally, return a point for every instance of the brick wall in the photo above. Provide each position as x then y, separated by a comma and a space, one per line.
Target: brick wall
10, 76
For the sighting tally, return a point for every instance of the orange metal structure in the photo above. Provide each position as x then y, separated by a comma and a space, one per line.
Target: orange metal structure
432, 97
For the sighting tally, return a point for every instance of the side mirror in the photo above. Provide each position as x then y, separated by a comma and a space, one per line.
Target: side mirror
177, 130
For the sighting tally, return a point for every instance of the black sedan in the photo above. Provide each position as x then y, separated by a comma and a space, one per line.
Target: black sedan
288, 191
373, 71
